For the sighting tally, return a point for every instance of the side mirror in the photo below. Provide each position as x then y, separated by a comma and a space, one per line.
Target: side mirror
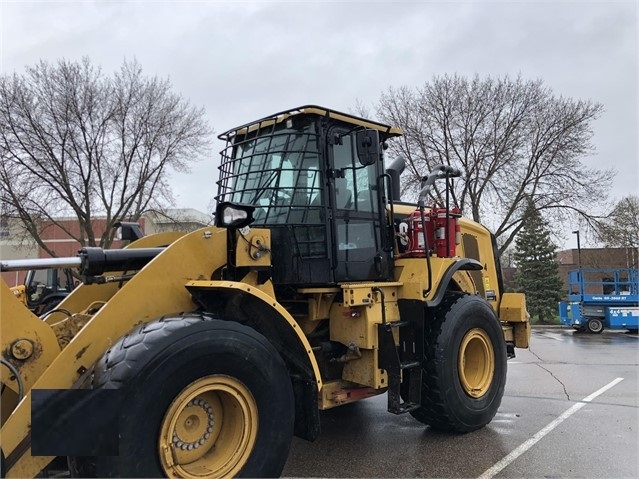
367, 147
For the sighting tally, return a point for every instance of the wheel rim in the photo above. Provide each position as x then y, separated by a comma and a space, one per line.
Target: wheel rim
209, 429
476, 363
595, 325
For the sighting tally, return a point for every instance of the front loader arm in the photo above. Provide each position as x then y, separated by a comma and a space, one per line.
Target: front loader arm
156, 290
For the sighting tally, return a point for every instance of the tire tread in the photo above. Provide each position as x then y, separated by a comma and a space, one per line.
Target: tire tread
112, 370
434, 410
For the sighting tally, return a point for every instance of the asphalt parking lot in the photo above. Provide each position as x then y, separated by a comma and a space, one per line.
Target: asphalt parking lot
570, 409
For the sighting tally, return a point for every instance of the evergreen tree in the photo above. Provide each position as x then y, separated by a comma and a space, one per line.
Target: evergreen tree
537, 271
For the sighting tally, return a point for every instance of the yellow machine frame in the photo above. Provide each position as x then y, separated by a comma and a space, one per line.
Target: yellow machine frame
60, 351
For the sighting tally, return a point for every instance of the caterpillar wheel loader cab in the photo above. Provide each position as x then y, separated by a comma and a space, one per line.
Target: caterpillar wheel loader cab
201, 354
43, 289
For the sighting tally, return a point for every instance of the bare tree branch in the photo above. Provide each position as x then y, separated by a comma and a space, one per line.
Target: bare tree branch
74, 142
620, 228
514, 140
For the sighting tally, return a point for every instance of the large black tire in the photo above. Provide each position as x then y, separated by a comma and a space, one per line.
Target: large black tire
190, 383
595, 325
464, 370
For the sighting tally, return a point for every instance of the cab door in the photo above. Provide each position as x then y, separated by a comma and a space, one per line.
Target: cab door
356, 223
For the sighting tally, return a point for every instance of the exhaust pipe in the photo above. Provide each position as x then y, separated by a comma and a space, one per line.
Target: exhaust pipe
394, 169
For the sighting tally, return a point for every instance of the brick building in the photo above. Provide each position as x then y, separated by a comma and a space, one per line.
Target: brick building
590, 258
13, 245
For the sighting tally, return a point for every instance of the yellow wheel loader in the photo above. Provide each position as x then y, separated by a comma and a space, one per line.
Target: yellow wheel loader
201, 354
43, 289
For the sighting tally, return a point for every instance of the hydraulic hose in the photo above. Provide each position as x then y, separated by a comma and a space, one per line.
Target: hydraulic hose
439, 172
16, 373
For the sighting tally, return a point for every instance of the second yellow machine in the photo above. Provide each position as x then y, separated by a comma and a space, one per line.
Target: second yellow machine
202, 354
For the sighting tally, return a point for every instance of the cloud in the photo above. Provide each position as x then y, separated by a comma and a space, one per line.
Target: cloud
245, 60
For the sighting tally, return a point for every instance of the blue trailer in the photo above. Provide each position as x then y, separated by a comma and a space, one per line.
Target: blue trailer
601, 298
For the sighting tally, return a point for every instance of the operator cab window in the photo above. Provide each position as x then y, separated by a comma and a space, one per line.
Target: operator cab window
276, 168
277, 171
356, 219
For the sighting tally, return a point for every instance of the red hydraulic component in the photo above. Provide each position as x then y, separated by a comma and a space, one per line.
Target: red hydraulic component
442, 232
346, 395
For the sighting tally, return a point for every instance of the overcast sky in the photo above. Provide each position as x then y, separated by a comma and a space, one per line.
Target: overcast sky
245, 60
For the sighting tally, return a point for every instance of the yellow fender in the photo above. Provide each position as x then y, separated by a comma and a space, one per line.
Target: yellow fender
257, 291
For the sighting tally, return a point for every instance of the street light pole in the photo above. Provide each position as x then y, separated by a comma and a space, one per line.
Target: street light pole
576, 232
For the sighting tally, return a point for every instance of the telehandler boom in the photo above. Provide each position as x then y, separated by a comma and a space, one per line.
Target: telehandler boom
201, 354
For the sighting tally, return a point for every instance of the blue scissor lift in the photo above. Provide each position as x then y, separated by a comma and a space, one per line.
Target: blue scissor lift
601, 298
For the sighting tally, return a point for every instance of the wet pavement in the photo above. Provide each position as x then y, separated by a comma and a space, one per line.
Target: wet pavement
544, 428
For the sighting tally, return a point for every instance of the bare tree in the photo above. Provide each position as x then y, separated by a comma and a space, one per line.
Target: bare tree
620, 228
514, 140
76, 143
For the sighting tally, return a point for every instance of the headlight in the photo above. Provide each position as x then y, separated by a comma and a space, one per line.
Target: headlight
233, 215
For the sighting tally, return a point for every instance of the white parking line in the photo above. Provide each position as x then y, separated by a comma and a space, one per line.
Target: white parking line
499, 466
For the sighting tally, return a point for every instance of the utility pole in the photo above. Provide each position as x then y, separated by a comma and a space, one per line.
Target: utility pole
576, 232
